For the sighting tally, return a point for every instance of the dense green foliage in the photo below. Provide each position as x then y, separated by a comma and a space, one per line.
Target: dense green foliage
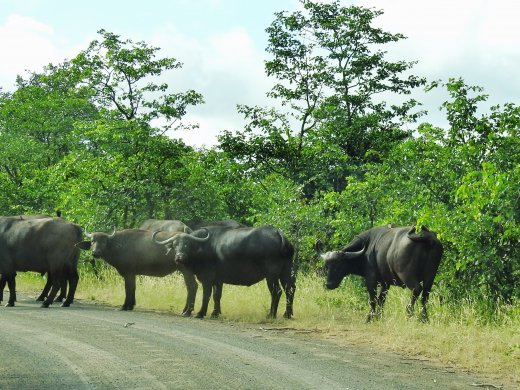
89, 137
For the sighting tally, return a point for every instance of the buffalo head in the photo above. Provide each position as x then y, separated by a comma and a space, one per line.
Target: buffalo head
98, 243
182, 244
339, 264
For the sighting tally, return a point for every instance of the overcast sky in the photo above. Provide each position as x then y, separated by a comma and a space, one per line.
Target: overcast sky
222, 45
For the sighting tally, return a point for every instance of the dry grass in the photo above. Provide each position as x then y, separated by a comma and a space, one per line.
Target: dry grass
464, 335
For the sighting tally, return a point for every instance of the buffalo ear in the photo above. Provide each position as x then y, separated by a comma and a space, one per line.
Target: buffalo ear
84, 245
318, 246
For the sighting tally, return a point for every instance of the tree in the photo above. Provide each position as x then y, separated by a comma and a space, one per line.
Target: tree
120, 73
36, 125
331, 79
133, 163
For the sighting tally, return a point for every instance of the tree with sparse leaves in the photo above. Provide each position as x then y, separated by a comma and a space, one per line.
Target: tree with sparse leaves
332, 78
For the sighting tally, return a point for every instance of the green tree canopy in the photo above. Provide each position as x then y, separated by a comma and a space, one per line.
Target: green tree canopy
332, 79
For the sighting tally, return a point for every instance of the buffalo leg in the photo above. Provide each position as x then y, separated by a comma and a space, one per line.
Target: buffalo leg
288, 281
72, 280
217, 294
206, 294
46, 288
276, 292
289, 297
63, 291
191, 289
382, 298
129, 293
416, 291
11, 283
372, 298
57, 277
3, 282
427, 286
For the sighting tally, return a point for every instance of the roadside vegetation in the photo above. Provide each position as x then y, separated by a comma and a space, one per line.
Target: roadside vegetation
344, 150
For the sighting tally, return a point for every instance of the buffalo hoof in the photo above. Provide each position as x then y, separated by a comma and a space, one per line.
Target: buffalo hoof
65, 304
45, 305
126, 308
199, 315
9, 304
287, 315
371, 317
186, 314
215, 315
40, 299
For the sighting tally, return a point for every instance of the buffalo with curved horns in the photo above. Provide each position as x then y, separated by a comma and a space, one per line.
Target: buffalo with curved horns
132, 252
239, 256
386, 256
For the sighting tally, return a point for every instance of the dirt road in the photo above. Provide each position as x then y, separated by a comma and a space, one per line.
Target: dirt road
91, 346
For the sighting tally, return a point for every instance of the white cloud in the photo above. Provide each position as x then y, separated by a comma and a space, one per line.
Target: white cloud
226, 68
25, 44
472, 39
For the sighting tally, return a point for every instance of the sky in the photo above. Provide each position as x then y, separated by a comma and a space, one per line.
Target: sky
221, 44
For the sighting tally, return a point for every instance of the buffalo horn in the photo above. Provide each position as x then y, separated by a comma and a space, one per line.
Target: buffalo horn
199, 239
168, 240
353, 255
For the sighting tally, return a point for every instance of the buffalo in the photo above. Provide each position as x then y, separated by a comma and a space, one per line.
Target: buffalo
236, 255
44, 245
132, 252
48, 284
386, 256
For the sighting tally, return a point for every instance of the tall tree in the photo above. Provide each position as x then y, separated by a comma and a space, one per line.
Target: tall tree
131, 160
121, 73
332, 79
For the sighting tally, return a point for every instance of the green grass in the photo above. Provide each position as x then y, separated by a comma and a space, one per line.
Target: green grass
468, 335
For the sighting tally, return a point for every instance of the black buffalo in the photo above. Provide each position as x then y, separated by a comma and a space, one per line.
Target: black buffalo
49, 283
239, 256
44, 245
132, 252
386, 256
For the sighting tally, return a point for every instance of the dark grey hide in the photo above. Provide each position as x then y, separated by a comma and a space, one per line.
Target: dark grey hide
49, 283
386, 256
240, 256
132, 252
44, 245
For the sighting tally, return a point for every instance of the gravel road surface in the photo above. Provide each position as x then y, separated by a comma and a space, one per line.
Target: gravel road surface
89, 346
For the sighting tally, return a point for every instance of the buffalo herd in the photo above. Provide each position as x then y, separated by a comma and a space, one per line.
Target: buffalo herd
214, 253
